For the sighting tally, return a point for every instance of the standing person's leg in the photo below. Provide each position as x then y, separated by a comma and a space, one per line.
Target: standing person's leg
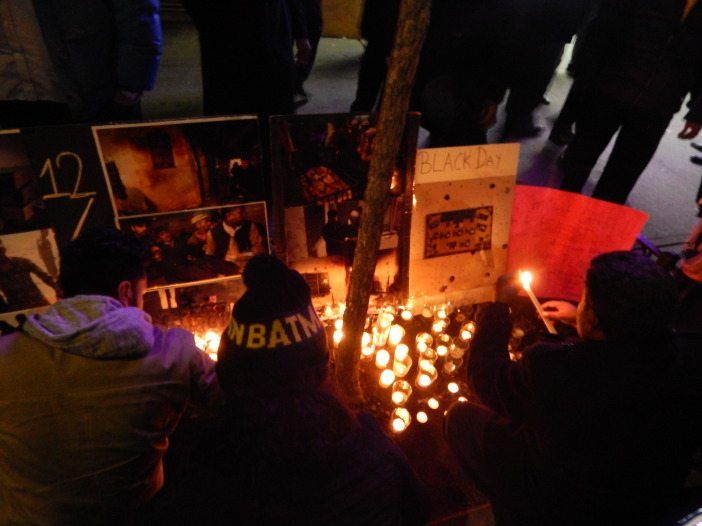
313, 17
635, 147
562, 130
597, 124
371, 75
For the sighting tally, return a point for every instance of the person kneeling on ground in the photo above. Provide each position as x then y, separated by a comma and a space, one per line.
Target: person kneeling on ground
600, 430
288, 450
90, 391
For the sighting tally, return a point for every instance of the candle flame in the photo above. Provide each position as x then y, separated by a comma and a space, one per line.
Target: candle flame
422, 417
526, 278
387, 377
433, 403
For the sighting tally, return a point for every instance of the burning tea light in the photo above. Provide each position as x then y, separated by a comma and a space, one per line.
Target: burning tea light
406, 315
424, 337
339, 324
338, 336
433, 403
366, 339
441, 313
382, 359
422, 417
401, 391
527, 278
462, 399
456, 352
367, 352
453, 387
387, 377
402, 366
438, 326
449, 367
385, 320
401, 352
427, 374
442, 350
427, 313
422, 347
396, 334
400, 419
430, 354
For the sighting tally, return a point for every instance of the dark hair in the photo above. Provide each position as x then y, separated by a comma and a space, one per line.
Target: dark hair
99, 260
633, 298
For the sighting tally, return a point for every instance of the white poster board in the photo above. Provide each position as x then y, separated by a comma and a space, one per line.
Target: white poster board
460, 221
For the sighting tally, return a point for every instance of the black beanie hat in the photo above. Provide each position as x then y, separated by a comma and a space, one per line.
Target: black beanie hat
275, 341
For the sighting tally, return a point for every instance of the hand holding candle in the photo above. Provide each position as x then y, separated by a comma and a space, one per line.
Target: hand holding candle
526, 278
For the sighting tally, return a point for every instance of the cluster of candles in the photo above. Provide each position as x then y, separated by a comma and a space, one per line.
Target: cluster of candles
408, 362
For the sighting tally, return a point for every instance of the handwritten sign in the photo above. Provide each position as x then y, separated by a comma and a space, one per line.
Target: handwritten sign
462, 211
555, 234
437, 165
458, 231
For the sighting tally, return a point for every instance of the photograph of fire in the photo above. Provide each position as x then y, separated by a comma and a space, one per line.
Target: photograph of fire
351, 262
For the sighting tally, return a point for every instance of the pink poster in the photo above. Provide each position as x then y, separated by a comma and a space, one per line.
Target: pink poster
555, 234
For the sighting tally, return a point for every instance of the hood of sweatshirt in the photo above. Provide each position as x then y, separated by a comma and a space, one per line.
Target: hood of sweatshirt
96, 327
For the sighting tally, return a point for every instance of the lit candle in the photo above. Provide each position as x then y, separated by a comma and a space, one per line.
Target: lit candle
422, 417
387, 377
406, 315
400, 419
438, 326
402, 366
526, 278
366, 339
396, 334
441, 350
382, 359
433, 403
456, 352
453, 387
429, 354
338, 336
339, 324
401, 352
401, 391
427, 374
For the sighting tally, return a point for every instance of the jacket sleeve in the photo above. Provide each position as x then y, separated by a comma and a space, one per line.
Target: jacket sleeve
137, 27
502, 385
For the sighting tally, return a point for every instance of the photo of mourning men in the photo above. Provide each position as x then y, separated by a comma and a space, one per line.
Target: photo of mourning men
200, 244
20, 199
28, 270
180, 165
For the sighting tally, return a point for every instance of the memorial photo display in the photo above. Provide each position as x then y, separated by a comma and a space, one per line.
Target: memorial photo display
201, 244
29, 263
180, 165
322, 163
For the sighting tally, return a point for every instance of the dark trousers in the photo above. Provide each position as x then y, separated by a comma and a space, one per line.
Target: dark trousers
313, 19
538, 65
371, 74
599, 119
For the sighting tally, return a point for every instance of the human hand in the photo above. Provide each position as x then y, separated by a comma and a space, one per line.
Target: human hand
562, 311
304, 51
690, 130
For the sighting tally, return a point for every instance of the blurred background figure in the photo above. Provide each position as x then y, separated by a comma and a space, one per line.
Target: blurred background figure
60, 63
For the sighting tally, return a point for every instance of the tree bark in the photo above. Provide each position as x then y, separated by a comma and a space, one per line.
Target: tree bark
412, 24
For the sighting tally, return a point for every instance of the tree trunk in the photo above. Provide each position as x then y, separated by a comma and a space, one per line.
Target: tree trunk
411, 29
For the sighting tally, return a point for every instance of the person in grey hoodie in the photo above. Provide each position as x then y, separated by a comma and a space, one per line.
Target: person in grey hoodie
90, 391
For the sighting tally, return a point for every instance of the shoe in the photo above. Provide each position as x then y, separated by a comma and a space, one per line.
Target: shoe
697, 146
696, 159
561, 137
545, 100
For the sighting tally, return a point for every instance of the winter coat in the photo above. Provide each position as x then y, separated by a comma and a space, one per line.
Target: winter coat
609, 426
642, 54
95, 47
89, 393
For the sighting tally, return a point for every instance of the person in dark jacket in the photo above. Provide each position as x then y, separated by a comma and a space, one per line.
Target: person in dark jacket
64, 62
288, 449
599, 430
639, 61
378, 28
246, 51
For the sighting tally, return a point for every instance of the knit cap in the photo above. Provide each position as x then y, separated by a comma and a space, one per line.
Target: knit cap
275, 342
